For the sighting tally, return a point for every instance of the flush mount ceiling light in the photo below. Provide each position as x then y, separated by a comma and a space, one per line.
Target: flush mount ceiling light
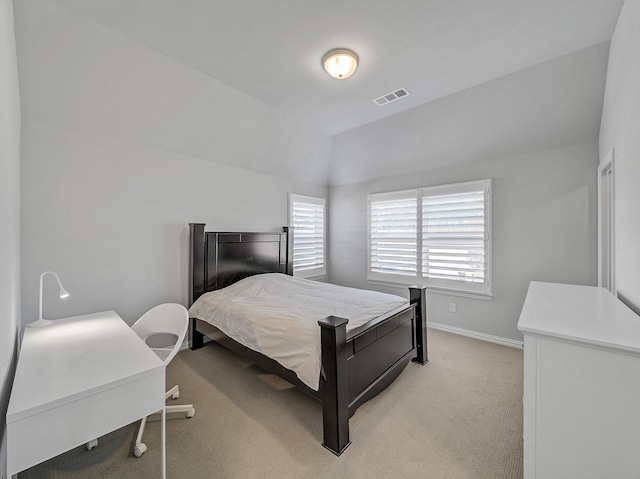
340, 63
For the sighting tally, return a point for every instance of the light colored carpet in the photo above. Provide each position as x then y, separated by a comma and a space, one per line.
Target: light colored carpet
458, 417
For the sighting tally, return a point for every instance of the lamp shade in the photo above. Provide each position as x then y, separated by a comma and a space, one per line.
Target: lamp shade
63, 294
340, 63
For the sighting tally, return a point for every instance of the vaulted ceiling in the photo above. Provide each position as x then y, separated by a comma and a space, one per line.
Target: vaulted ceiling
272, 50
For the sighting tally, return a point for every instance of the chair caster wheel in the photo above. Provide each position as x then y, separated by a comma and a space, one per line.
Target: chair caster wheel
175, 395
91, 444
192, 412
139, 450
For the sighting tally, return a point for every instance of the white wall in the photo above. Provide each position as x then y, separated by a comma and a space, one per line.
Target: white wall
82, 76
620, 129
122, 148
544, 229
9, 213
551, 105
535, 133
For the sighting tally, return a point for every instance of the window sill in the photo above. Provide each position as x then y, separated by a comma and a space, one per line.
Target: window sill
438, 290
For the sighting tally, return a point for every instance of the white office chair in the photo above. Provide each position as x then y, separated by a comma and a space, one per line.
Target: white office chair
163, 329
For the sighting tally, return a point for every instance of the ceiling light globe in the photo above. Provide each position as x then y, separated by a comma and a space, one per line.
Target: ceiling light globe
340, 63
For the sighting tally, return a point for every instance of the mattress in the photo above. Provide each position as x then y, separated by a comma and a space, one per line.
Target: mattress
277, 315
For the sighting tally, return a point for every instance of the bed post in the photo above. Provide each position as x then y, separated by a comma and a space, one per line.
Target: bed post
288, 230
335, 391
418, 296
197, 276
196, 261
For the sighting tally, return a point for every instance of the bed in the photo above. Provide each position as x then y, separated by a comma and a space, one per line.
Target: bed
355, 361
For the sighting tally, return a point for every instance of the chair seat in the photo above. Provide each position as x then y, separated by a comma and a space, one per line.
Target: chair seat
161, 340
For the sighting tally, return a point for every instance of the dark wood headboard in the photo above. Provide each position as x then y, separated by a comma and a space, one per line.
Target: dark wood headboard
219, 259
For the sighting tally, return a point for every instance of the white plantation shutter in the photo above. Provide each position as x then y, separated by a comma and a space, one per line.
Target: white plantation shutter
393, 234
453, 236
307, 217
438, 236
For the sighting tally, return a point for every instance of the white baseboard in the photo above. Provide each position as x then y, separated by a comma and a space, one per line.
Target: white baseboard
512, 343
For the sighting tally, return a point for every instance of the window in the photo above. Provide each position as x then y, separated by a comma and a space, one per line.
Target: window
306, 215
393, 233
437, 236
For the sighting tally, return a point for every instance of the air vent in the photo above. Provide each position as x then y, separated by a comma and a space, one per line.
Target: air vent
392, 96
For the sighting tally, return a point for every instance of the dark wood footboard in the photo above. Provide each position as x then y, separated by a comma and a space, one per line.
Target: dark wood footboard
360, 364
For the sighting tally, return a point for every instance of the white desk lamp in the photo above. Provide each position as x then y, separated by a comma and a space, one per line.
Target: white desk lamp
63, 294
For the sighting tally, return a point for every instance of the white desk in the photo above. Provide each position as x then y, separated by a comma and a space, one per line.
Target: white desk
76, 380
581, 384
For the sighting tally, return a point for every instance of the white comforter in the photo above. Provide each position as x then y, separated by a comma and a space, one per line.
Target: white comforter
277, 315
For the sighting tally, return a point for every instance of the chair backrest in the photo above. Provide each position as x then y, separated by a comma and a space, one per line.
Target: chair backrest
163, 328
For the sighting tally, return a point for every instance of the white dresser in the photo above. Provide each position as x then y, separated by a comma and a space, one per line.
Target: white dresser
581, 384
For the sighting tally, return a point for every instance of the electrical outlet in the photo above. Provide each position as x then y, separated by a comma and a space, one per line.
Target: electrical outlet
452, 307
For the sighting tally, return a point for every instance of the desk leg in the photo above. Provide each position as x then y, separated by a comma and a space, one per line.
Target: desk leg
163, 414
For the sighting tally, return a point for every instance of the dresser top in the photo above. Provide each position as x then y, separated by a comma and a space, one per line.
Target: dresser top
582, 314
